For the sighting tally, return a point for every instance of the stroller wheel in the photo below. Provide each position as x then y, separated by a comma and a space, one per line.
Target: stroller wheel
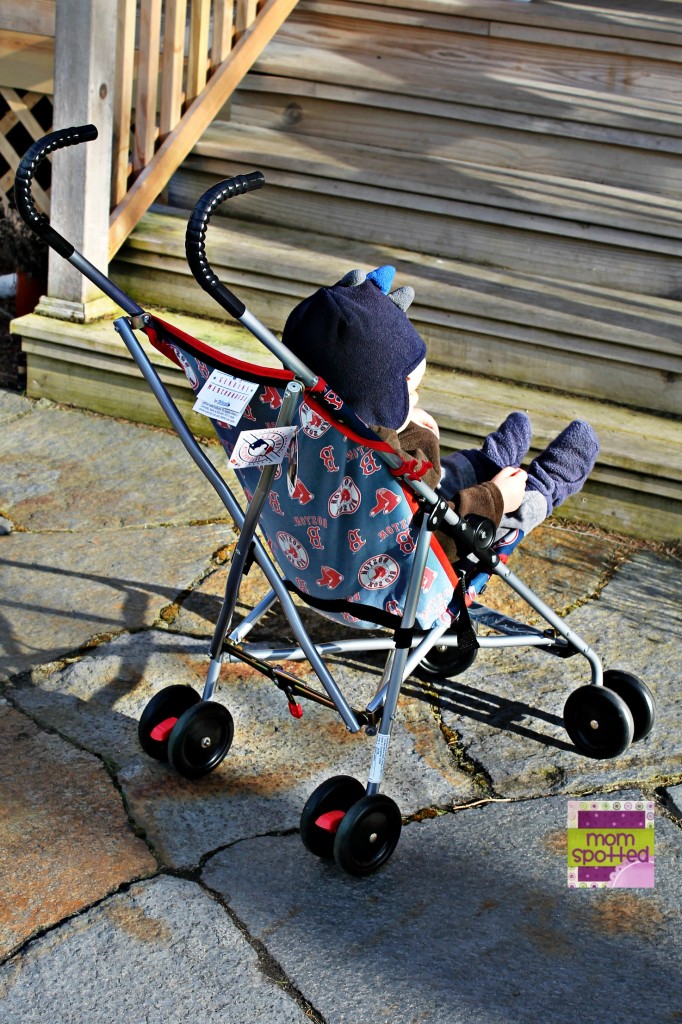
598, 721
329, 802
201, 739
159, 718
368, 835
638, 698
443, 662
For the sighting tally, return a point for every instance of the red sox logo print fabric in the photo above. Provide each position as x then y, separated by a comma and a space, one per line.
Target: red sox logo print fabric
338, 523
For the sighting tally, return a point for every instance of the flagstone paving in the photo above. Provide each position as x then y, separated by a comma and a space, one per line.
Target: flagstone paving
129, 893
64, 834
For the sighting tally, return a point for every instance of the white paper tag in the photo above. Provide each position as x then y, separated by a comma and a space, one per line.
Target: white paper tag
256, 448
376, 770
224, 397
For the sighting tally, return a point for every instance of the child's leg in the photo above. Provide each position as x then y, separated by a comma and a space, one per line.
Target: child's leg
531, 512
563, 467
553, 476
506, 446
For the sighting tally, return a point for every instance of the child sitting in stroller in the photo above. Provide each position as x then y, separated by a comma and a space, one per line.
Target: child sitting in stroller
357, 336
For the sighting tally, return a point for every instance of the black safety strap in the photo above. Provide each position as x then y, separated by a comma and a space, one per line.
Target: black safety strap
464, 630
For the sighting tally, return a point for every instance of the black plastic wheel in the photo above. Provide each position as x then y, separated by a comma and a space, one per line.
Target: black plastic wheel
598, 721
444, 662
201, 739
337, 794
160, 716
638, 698
368, 835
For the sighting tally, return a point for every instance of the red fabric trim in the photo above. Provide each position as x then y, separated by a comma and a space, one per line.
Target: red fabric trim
446, 565
215, 355
413, 469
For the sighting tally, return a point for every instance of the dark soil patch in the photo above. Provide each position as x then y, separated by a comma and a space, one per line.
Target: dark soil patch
12, 360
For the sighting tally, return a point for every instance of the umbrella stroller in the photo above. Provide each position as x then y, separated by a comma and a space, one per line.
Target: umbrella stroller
338, 519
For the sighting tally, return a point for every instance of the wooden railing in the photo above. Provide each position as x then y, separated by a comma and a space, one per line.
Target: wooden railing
173, 84
177, 63
26, 31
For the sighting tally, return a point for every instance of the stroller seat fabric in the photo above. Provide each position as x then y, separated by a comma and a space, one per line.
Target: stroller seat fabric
339, 524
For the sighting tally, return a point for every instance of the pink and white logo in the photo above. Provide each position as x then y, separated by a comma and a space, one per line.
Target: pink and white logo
330, 577
386, 501
428, 579
184, 362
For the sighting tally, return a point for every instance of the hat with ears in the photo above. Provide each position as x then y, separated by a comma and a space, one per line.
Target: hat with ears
361, 342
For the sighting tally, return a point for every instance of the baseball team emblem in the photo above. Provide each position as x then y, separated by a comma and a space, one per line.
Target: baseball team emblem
379, 572
293, 550
312, 423
345, 500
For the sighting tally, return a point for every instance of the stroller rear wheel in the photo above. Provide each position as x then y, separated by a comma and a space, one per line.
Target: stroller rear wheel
368, 835
444, 662
160, 717
323, 811
598, 721
638, 698
201, 739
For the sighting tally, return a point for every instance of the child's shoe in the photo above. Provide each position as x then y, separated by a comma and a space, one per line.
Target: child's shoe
506, 446
563, 467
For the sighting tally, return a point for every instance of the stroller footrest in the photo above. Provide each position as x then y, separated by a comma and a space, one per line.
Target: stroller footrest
507, 626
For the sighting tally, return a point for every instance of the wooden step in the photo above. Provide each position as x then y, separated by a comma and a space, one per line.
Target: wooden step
625, 28
511, 219
636, 487
565, 206
455, 130
528, 328
597, 78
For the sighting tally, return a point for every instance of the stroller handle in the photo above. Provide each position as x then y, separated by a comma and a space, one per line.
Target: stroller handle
38, 222
195, 237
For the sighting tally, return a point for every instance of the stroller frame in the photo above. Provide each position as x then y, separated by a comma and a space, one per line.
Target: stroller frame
407, 647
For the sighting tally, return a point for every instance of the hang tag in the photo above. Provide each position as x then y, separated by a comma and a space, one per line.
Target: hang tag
224, 397
258, 448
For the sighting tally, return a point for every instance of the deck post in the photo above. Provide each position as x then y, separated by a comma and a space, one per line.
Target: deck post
85, 48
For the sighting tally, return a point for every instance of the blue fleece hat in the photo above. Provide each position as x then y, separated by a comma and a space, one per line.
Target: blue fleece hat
362, 344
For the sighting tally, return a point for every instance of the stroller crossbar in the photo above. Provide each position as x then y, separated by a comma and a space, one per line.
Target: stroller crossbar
343, 523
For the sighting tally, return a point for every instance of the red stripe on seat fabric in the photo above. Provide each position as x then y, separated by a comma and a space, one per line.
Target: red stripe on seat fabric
266, 374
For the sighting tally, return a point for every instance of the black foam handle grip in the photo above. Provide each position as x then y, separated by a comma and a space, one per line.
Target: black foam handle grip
195, 237
23, 197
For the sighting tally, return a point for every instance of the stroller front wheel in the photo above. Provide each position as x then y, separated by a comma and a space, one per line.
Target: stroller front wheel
598, 721
368, 835
160, 717
324, 809
201, 739
444, 662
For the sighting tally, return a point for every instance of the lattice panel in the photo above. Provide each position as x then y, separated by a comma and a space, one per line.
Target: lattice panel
24, 117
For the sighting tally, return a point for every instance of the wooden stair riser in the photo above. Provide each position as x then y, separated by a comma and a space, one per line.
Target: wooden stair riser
455, 231
560, 364
456, 132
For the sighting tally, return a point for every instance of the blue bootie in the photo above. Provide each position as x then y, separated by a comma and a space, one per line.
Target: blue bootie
506, 446
563, 467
